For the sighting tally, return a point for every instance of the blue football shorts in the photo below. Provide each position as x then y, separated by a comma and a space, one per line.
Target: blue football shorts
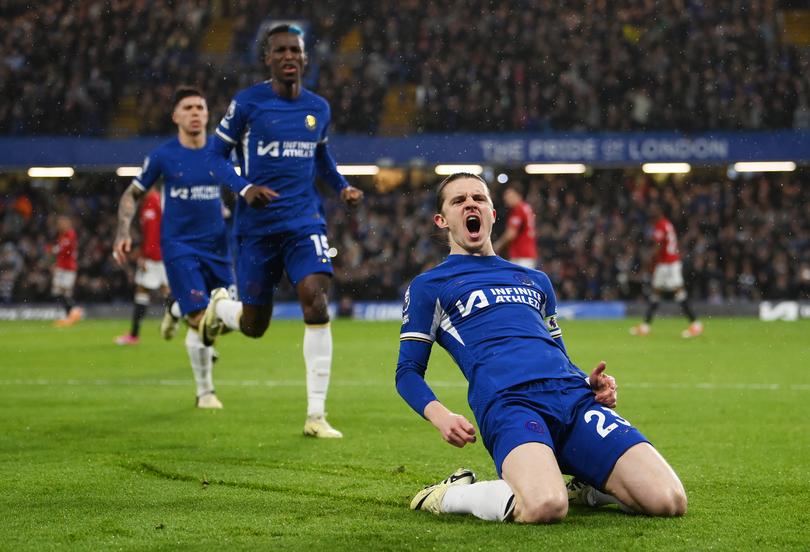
586, 437
192, 277
261, 260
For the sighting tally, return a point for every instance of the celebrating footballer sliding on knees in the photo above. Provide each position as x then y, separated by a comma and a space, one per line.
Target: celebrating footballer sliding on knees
539, 415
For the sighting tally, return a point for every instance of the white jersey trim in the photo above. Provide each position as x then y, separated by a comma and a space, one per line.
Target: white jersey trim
225, 137
416, 335
442, 320
246, 151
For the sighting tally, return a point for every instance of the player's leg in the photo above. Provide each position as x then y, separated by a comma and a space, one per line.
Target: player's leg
140, 303
532, 473
531, 488
62, 289
201, 358
309, 268
645, 482
459, 493
171, 310
258, 270
312, 294
682, 298
186, 278
613, 463
658, 285
148, 277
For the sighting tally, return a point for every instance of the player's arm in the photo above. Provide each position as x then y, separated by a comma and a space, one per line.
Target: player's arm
128, 206
506, 238
416, 340
411, 385
327, 170
218, 158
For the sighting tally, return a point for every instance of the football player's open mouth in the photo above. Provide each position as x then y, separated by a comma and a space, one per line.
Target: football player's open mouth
289, 68
473, 224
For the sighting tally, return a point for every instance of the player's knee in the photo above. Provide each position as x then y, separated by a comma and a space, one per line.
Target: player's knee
253, 329
316, 313
669, 501
551, 509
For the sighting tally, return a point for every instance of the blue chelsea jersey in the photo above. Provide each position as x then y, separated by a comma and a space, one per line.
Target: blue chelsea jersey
281, 144
496, 319
192, 222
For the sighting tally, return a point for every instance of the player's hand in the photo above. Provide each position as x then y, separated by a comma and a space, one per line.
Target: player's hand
351, 196
259, 196
121, 248
604, 386
455, 428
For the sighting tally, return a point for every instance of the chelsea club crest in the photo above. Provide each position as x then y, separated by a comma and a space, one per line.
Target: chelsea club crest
311, 122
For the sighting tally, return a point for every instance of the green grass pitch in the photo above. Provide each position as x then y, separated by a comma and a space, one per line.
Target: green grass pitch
101, 448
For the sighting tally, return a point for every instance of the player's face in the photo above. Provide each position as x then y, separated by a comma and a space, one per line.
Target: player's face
468, 215
286, 57
191, 115
511, 197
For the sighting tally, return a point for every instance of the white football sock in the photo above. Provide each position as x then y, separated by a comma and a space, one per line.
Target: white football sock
489, 500
230, 312
201, 365
175, 310
318, 359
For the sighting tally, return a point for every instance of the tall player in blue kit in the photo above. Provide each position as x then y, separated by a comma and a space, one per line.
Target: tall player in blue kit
279, 131
193, 239
539, 415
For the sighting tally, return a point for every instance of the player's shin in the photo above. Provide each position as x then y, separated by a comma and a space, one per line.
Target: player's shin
201, 364
488, 500
138, 312
318, 360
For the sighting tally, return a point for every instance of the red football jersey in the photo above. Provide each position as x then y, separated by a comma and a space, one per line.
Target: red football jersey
521, 219
66, 250
664, 235
150, 226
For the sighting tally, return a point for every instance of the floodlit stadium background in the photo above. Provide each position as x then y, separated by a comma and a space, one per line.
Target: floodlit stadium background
595, 109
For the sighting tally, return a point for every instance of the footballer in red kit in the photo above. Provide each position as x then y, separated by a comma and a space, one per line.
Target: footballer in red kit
150, 275
518, 238
64, 271
667, 275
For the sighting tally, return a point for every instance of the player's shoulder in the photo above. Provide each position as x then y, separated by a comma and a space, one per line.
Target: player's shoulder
316, 101
166, 148
259, 92
537, 276
433, 277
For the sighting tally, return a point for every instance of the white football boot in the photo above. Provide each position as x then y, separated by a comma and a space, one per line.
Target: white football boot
430, 498
209, 400
317, 426
211, 325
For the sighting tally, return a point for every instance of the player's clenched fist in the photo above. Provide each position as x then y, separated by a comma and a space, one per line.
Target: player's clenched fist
455, 428
259, 196
351, 195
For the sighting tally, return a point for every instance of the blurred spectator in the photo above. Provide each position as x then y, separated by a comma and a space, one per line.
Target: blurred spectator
741, 239
476, 66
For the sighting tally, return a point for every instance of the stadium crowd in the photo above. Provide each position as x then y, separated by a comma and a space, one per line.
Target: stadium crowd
741, 240
517, 66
